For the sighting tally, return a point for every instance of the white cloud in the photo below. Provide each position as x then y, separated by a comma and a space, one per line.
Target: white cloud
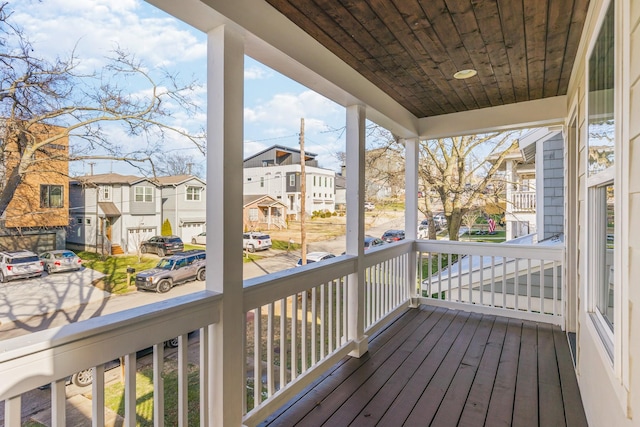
256, 73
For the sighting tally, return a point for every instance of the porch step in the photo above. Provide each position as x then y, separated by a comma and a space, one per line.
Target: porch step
116, 250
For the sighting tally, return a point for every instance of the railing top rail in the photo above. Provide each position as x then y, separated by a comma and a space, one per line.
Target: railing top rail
15, 348
262, 290
382, 253
546, 252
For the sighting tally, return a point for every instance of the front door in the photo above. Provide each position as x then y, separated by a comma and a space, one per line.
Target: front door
107, 225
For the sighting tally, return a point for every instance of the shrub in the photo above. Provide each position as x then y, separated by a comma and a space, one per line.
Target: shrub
166, 228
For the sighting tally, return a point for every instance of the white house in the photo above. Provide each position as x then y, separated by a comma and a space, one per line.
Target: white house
113, 213
184, 204
276, 172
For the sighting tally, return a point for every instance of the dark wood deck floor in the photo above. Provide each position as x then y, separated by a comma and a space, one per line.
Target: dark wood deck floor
440, 367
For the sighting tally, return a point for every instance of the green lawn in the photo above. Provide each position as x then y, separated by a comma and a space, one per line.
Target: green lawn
115, 268
114, 396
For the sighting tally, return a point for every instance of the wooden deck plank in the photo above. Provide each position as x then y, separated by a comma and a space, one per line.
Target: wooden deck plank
376, 407
477, 403
449, 412
550, 397
444, 367
501, 404
525, 405
573, 408
311, 398
433, 396
354, 403
404, 403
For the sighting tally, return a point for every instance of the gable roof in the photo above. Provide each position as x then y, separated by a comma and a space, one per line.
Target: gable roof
260, 199
108, 178
177, 179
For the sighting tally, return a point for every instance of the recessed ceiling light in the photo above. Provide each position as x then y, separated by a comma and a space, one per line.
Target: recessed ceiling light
464, 74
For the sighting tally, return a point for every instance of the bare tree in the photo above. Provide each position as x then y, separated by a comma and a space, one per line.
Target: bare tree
455, 173
46, 102
178, 164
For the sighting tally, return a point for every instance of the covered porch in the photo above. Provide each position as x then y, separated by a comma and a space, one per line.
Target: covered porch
327, 340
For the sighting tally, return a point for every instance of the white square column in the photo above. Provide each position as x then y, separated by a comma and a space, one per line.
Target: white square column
355, 224
225, 98
411, 211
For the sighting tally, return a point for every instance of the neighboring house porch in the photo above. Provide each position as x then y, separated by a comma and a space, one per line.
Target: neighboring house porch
262, 212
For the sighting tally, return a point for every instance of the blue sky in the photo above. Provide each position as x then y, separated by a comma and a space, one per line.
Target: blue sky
273, 104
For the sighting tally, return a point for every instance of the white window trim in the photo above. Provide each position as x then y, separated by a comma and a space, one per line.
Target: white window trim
144, 189
196, 194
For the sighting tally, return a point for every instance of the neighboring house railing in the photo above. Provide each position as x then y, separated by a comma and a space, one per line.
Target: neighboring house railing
299, 323
523, 201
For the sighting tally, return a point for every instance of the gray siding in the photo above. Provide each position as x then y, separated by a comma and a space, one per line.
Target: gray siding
143, 208
553, 186
293, 188
269, 158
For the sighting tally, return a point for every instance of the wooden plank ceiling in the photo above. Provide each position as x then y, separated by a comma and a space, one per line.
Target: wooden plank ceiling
522, 49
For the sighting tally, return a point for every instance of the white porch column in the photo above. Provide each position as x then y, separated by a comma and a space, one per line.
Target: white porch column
411, 209
355, 223
225, 94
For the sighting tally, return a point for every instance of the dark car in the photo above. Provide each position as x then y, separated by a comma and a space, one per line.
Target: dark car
370, 242
162, 245
173, 270
390, 236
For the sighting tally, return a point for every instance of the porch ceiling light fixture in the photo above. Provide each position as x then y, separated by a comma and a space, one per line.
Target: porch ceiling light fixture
465, 74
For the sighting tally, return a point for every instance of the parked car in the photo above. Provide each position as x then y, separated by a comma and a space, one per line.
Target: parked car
19, 265
162, 245
256, 241
423, 231
60, 260
316, 257
390, 236
369, 206
370, 242
174, 270
200, 239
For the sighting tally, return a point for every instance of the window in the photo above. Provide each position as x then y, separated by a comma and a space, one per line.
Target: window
601, 183
193, 193
79, 220
105, 192
292, 180
51, 196
261, 181
144, 194
88, 221
314, 180
325, 181
253, 214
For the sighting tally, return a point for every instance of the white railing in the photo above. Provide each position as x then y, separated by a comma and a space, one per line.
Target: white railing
386, 278
51, 356
523, 201
298, 321
521, 281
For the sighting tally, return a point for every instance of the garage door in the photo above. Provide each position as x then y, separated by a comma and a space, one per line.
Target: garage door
33, 242
135, 236
190, 229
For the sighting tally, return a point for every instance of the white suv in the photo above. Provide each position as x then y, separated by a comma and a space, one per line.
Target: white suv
256, 241
19, 264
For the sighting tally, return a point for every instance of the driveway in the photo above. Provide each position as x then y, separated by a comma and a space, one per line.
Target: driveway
22, 299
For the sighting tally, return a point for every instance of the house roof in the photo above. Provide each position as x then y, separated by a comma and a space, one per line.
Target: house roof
280, 150
260, 200
177, 179
108, 178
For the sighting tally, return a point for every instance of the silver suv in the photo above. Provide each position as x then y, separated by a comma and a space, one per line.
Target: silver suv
173, 270
256, 241
19, 265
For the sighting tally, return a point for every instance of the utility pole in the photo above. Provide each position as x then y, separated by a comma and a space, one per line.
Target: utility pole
303, 197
